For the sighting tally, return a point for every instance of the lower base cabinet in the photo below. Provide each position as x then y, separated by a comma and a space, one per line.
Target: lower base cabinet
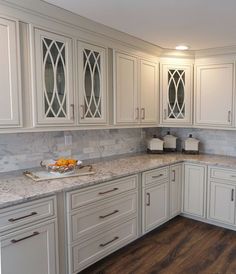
85, 253
221, 202
194, 192
175, 190
30, 251
155, 198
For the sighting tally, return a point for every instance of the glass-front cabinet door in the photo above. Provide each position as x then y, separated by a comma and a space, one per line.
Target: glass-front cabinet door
53, 78
92, 84
176, 92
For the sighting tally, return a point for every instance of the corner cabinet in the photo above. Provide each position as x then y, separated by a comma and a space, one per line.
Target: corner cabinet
52, 63
176, 94
135, 90
214, 98
92, 84
10, 94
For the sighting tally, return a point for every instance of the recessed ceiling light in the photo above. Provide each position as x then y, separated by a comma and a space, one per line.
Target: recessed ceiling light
182, 47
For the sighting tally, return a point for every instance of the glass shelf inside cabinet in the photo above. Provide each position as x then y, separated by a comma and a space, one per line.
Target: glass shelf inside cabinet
92, 84
176, 94
54, 68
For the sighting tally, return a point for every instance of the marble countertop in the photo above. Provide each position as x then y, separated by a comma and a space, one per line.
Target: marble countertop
16, 188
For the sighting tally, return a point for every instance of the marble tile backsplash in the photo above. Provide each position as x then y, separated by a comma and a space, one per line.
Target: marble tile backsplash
26, 150
211, 141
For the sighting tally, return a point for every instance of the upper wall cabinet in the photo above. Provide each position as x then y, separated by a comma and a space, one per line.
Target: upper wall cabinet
10, 93
176, 94
54, 102
214, 95
135, 90
92, 84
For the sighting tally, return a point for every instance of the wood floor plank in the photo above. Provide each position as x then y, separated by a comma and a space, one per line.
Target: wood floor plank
181, 246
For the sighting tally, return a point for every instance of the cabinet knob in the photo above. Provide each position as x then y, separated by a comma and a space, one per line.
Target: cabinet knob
137, 113
143, 113
148, 199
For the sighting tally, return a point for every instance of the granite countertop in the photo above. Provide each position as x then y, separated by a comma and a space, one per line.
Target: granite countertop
16, 188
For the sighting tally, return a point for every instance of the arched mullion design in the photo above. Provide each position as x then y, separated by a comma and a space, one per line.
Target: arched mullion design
92, 105
48, 53
172, 113
61, 102
51, 111
87, 63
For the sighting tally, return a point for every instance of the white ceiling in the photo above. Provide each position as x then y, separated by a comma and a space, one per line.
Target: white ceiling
200, 24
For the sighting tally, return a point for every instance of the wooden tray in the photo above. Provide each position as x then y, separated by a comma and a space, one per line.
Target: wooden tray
44, 175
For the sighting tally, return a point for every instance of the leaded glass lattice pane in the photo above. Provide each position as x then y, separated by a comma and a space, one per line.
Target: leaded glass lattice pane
92, 84
176, 94
54, 78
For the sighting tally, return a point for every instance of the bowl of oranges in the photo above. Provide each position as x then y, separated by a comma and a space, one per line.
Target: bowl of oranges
61, 166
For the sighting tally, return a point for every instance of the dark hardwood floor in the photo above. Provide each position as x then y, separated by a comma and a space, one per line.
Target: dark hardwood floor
182, 246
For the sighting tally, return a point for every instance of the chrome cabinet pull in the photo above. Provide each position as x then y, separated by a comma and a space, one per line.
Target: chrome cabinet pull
107, 243
109, 214
232, 195
149, 199
173, 175
137, 113
143, 113
14, 241
108, 191
229, 116
22, 217
157, 176
165, 114
73, 111
82, 107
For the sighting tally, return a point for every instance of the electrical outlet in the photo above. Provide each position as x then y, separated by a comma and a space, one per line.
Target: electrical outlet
68, 140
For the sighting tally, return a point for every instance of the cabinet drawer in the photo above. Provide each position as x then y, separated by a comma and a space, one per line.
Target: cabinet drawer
15, 216
225, 174
156, 175
90, 251
90, 219
79, 198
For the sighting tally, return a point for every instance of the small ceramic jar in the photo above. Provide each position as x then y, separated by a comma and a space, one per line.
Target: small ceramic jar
169, 142
191, 145
155, 145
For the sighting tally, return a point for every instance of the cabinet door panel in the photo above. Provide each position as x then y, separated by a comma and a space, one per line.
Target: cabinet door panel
10, 94
222, 202
148, 92
214, 94
156, 205
175, 190
194, 190
29, 251
92, 83
126, 90
176, 92
53, 64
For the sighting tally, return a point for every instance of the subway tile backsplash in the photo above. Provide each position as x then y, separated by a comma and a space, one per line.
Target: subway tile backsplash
26, 150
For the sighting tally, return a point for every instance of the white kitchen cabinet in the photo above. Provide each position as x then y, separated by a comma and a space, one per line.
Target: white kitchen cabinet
30, 251
10, 94
155, 198
221, 199
100, 219
194, 192
148, 92
135, 90
92, 84
126, 89
214, 96
155, 202
52, 64
176, 94
175, 190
